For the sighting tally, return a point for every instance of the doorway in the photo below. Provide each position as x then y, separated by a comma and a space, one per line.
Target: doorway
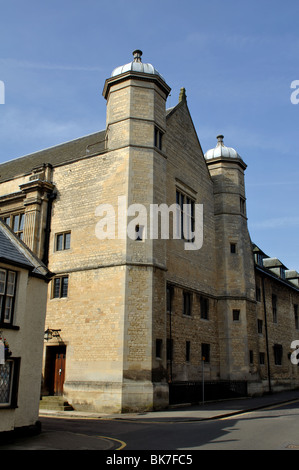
55, 370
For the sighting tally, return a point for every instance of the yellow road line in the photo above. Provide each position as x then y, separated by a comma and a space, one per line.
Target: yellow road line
233, 416
122, 443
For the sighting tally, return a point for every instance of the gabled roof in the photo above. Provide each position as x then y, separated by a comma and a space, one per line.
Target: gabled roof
14, 252
77, 149
66, 152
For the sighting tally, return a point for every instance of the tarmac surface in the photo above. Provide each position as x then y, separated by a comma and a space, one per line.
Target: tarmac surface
187, 412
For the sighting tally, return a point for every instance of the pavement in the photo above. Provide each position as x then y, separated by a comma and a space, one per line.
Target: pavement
209, 410
180, 413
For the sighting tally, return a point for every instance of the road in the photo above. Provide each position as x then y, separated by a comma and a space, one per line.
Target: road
272, 428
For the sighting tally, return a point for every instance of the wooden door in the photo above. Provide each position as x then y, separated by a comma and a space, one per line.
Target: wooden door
59, 373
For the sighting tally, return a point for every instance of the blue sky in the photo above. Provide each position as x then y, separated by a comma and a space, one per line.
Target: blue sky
236, 59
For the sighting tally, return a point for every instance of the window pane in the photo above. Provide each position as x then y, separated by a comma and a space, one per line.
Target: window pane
5, 382
2, 281
64, 286
59, 242
187, 303
11, 283
56, 289
8, 309
16, 223
67, 241
21, 225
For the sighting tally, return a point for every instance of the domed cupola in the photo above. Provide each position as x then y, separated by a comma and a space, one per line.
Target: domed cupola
136, 66
221, 151
136, 70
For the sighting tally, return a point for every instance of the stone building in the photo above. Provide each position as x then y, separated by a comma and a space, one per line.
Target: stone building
140, 317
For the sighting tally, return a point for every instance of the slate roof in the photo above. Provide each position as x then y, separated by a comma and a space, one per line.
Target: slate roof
73, 150
8, 252
13, 251
57, 155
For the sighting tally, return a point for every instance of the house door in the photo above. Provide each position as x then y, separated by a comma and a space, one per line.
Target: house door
59, 372
54, 370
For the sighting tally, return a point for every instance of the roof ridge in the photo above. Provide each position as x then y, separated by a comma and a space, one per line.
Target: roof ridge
52, 147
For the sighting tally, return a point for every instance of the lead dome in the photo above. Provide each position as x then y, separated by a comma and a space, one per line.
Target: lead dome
136, 66
221, 151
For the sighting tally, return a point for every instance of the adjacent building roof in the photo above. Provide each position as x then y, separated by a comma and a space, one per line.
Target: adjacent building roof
275, 268
14, 252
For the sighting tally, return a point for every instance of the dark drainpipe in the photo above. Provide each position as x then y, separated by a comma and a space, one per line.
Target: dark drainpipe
51, 198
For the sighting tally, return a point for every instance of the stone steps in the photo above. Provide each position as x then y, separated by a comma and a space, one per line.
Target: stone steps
56, 403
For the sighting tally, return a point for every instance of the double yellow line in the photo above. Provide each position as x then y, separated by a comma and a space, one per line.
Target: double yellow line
122, 443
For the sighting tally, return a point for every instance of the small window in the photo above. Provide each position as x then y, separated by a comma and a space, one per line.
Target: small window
16, 223
158, 135
250, 356
262, 358
9, 376
7, 220
7, 295
139, 229
60, 287
205, 352
159, 348
63, 241
204, 308
260, 326
188, 347
259, 259
277, 354
6, 373
258, 294
187, 307
236, 315
242, 205
185, 216
233, 248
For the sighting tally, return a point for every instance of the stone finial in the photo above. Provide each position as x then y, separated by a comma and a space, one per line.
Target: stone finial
220, 139
137, 55
183, 96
